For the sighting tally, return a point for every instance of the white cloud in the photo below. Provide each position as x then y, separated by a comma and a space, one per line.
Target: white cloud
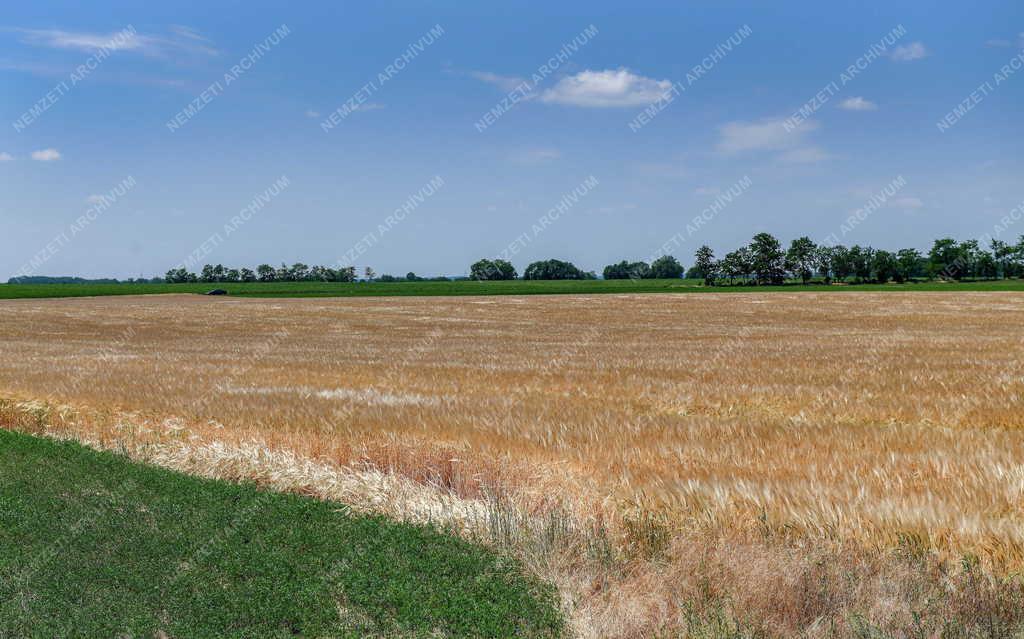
762, 135
804, 155
608, 88
181, 39
46, 155
912, 51
6, 157
857, 104
95, 199
503, 82
310, 113
707, 190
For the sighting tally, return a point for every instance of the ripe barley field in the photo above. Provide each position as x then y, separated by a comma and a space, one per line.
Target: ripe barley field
717, 465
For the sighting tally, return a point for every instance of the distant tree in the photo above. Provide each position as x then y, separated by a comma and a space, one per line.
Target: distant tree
946, 259
884, 266
705, 264
908, 265
627, 271
219, 273
265, 273
973, 256
738, 263
298, 272
985, 266
232, 275
1017, 258
368, 274
824, 261
345, 274
483, 270
387, 278
842, 265
207, 274
666, 267
554, 270
1003, 254
768, 259
179, 276
246, 275
861, 262
411, 277
800, 259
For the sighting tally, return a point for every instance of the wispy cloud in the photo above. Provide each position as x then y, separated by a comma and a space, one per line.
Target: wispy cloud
608, 88
912, 51
908, 203
804, 155
536, 156
762, 135
858, 104
1004, 43
46, 155
310, 113
503, 82
179, 40
771, 135
6, 157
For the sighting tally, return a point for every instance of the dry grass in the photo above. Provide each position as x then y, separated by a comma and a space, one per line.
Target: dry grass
708, 465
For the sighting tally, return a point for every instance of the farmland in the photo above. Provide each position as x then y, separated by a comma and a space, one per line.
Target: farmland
736, 464
468, 287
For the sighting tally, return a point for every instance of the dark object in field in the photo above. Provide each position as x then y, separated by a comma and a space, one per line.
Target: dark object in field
217, 291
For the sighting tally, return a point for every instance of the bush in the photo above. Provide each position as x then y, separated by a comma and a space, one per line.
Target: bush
555, 270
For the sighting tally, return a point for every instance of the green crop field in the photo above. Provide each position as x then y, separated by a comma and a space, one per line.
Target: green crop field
92, 545
466, 287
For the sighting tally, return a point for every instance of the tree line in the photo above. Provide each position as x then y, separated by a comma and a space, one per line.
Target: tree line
297, 272
764, 261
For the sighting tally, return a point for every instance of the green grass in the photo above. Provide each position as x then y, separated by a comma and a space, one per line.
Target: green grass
92, 545
465, 287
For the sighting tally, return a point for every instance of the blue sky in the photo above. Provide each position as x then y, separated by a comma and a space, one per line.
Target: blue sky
278, 73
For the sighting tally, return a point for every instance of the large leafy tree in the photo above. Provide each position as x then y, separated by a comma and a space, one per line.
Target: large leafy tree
824, 261
908, 264
738, 263
705, 264
667, 267
265, 273
554, 270
946, 259
884, 266
842, 265
861, 262
492, 270
627, 271
800, 259
768, 259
